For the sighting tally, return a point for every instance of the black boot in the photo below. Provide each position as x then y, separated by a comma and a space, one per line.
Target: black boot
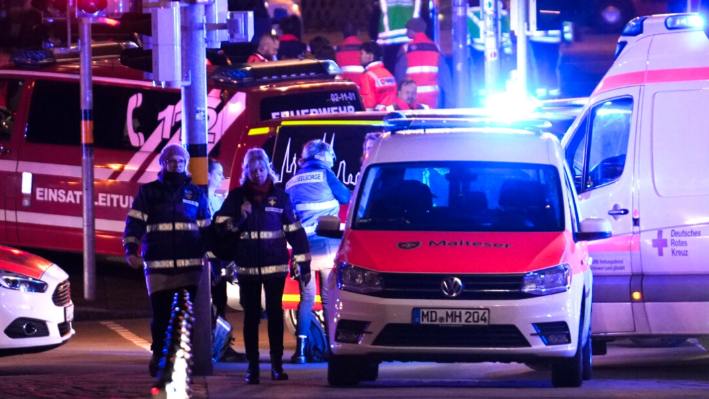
299, 355
252, 374
154, 366
277, 373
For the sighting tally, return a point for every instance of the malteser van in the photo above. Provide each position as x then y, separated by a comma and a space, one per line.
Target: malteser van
639, 156
462, 244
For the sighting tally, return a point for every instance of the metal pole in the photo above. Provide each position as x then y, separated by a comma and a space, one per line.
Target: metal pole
435, 24
491, 20
194, 131
69, 8
460, 53
87, 143
522, 45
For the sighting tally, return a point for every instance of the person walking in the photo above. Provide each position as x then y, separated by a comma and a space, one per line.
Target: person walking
406, 96
422, 61
168, 218
263, 216
215, 178
348, 54
377, 85
315, 192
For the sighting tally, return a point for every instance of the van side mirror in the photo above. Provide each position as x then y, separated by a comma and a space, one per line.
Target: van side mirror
329, 226
594, 229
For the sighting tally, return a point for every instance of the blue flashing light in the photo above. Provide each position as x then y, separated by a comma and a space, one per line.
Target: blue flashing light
511, 105
33, 57
634, 27
685, 21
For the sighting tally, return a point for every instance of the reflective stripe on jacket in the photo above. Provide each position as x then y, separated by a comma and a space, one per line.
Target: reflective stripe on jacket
315, 191
262, 250
168, 222
422, 57
378, 87
348, 59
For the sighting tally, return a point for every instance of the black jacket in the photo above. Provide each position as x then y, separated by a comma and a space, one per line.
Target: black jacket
262, 251
170, 223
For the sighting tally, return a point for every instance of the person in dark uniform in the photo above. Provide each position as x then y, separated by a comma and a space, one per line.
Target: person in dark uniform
263, 216
168, 217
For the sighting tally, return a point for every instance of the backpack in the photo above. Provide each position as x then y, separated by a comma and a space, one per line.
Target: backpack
316, 344
221, 341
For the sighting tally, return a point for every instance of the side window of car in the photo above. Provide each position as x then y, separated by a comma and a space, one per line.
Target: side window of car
10, 92
576, 153
609, 132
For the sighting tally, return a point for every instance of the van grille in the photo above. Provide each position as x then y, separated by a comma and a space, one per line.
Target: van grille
428, 286
62, 295
434, 336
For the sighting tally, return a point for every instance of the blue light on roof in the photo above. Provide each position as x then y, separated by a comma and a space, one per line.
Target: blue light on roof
33, 57
634, 27
686, 21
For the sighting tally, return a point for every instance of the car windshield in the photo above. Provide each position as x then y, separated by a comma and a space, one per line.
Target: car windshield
460, 196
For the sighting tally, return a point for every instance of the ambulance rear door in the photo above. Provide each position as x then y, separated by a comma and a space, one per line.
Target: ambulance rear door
600, 153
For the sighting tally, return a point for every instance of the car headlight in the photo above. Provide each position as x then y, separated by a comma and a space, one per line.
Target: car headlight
548, 281
358, 279
19, 282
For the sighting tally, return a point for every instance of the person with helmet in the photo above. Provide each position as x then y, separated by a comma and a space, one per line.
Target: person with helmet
406, 96
267, 48
315, 192
263, 216
422, 61
348, 54
377, 85
393, 19
168, 217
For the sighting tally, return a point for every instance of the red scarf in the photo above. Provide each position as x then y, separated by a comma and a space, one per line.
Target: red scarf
259, 192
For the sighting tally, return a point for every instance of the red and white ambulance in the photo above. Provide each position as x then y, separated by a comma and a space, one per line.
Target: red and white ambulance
40, 152
638, 160
463, 244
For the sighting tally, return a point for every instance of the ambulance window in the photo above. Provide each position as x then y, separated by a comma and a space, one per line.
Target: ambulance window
609, 134
10, 92
576, 153
311, 103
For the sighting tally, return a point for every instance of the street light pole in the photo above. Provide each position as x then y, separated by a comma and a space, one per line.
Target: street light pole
491, 20
522, 45
460, 53
194, 133
87, 143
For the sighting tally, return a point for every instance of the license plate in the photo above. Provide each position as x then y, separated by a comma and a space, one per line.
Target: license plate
69, 313
456, 317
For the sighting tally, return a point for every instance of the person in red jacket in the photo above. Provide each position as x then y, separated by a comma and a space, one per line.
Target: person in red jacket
406, 96
267, 48
348, 54
377, 85
422, 61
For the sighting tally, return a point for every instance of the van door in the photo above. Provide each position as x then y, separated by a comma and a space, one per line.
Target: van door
11, 126
600, 153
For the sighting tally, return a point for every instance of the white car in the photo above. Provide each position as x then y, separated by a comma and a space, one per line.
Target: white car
463, 244
37, 310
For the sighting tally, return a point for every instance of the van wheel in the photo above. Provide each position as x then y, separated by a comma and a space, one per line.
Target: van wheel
569, 372
370, 372
588, 358
343, 371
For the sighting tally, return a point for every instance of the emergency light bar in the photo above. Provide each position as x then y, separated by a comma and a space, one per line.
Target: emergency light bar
51, 55
394, 123
685, 21
277, 71
634, 27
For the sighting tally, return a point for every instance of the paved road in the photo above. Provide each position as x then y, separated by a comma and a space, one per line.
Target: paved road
109, 360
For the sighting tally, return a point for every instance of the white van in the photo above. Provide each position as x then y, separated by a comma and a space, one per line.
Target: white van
639, 154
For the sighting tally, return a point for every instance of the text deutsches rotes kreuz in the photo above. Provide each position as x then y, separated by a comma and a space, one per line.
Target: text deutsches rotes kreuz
74, 197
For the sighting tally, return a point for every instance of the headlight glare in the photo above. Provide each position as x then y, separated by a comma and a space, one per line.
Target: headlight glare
24, 284
358, 279
548, 281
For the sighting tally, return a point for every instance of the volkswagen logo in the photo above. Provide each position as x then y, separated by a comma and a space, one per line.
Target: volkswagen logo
408, 244
452, 287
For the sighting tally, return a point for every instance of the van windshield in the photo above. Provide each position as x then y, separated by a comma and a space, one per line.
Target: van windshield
311, 103
460, 196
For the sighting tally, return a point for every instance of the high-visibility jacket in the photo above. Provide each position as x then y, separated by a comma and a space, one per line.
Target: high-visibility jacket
422, 60
395, 15
476, 25
315, 191
378, 87
256, 57
401, 105
348, 59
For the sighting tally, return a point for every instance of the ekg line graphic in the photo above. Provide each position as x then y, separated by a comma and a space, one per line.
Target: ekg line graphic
290, 164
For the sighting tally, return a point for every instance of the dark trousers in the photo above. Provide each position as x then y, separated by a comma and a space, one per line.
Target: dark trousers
161, 304
250, 291
219, 298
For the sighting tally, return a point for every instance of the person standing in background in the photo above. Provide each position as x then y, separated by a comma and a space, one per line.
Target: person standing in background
215, 178
348, 54
377, 85
267, 48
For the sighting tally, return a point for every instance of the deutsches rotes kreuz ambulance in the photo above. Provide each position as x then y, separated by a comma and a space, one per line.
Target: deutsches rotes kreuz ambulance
462, 244
639, 159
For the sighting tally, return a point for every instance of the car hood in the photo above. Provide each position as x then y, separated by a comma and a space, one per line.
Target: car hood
454, 252
21, 262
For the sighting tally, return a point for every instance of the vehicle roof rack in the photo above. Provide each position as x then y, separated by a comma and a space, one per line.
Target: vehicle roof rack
275, 71
397, 122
